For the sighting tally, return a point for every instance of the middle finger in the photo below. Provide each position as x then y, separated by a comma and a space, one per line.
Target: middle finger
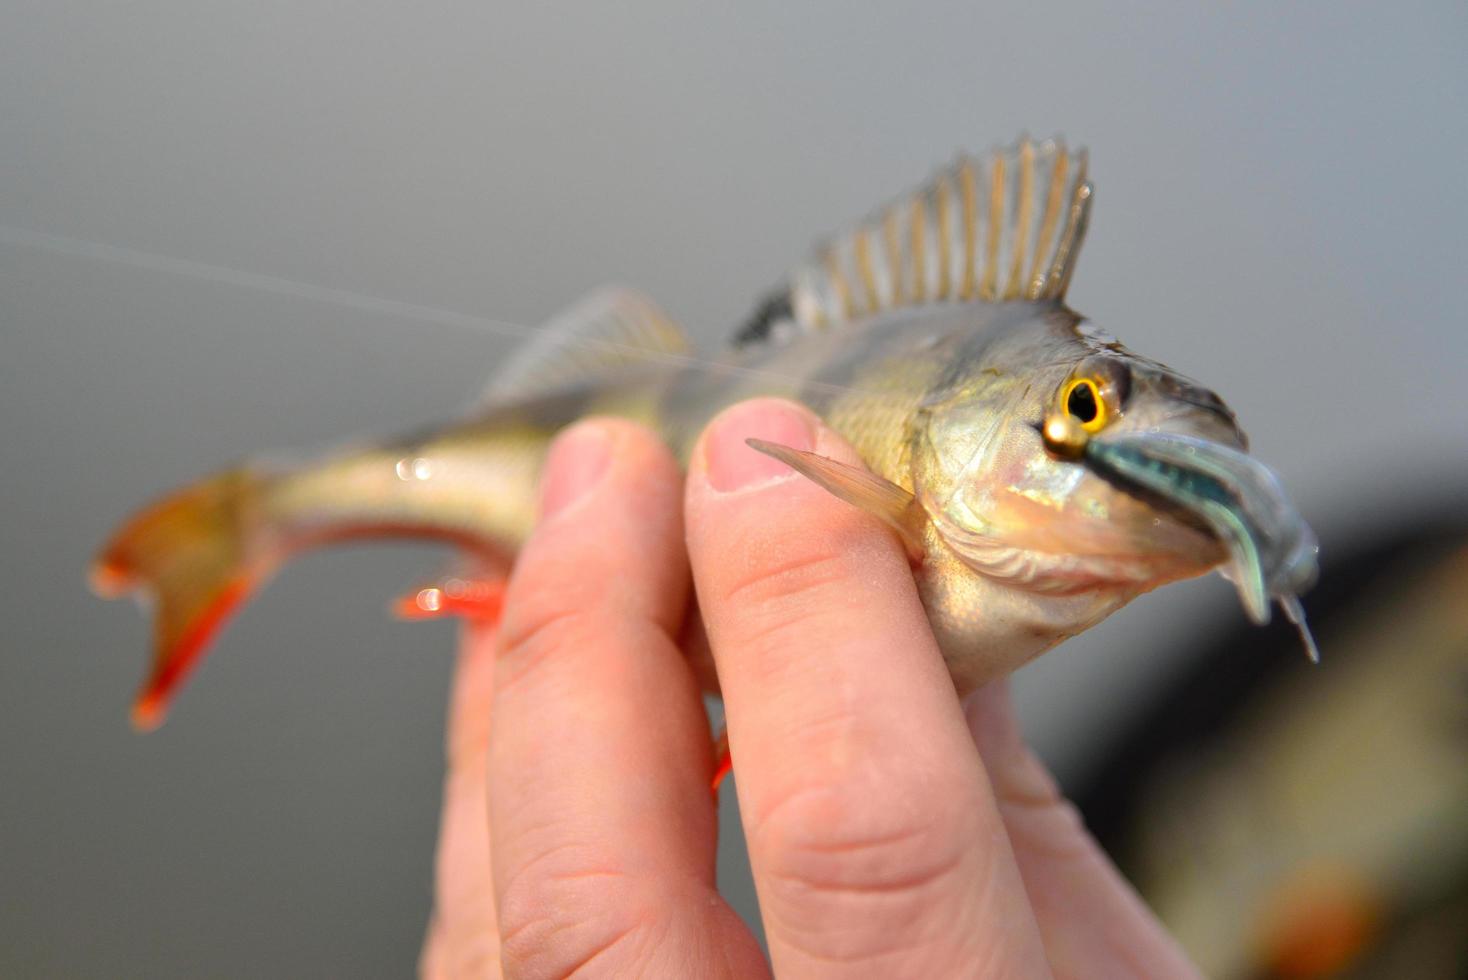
602, 832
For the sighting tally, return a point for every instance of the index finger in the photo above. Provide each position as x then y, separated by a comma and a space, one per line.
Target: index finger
876, 843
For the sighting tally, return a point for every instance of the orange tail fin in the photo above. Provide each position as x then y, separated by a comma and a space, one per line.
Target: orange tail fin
195, 553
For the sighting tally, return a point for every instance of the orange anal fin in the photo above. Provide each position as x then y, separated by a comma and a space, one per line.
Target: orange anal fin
723, 762
467, 596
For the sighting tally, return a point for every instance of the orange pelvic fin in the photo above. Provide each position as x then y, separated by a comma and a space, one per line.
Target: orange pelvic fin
477, 594
190, 553
723, 763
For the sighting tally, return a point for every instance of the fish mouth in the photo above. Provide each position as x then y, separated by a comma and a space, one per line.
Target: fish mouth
1272, 553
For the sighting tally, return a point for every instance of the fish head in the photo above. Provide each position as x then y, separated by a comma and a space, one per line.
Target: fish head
1069, 465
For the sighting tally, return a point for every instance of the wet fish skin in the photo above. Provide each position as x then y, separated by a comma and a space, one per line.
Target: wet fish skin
1021, 550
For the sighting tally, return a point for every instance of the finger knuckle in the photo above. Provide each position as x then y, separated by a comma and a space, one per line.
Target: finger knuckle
833, 848
772, 593
534, 629
568, 912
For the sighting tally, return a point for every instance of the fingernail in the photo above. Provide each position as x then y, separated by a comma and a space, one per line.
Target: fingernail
732, 464
576, 463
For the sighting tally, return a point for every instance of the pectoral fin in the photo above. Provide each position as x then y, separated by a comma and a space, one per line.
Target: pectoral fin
881, 498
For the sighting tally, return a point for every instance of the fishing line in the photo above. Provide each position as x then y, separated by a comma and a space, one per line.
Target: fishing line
280, 286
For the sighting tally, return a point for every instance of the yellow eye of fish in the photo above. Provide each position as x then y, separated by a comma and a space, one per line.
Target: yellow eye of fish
1082, 401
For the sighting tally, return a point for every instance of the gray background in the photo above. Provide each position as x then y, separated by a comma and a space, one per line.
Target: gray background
1281, 211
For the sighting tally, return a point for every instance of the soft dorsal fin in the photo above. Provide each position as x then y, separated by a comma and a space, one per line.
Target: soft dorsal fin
1005, 226
611, 330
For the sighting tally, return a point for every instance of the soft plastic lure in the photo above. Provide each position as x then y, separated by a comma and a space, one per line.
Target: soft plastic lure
1040, 474
1272, 552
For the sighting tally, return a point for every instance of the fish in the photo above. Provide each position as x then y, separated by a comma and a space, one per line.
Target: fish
1039, 473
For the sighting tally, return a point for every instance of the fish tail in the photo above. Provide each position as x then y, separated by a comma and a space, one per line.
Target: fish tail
197, 553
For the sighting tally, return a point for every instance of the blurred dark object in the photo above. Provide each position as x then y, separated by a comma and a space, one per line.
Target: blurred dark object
1290, 821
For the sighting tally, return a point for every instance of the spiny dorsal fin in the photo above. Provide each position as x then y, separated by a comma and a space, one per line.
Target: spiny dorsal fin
609, 331
1006, 226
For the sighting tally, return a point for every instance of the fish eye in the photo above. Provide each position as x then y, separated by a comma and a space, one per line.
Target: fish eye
1082, 401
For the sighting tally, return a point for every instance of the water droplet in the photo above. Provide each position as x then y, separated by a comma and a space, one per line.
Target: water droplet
416, 468
430, 600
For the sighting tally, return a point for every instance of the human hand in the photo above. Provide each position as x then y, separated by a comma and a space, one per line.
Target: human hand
578, 834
